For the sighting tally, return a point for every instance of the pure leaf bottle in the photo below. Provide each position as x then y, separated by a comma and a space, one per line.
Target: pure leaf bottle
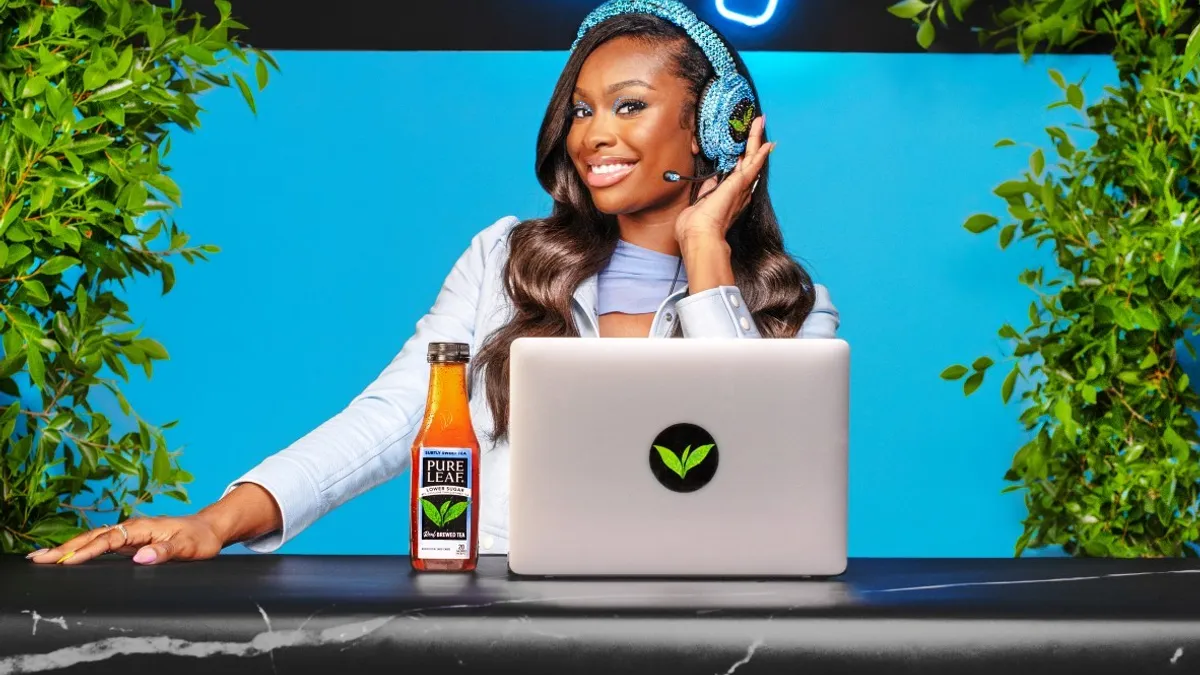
445, 469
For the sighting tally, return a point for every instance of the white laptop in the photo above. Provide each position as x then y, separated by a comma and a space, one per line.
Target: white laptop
678, 457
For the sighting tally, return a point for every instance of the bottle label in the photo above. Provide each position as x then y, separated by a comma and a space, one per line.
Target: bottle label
444, 503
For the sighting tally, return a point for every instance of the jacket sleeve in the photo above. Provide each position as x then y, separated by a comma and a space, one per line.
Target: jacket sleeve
721, 313
363, 445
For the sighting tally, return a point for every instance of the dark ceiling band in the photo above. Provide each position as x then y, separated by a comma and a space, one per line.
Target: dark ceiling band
550, 25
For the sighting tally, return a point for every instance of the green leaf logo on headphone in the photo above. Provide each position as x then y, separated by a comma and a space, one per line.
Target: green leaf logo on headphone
449, 511
688, 461
743, 125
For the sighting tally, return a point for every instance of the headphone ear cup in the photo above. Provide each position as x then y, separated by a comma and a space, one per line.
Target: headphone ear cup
727, 110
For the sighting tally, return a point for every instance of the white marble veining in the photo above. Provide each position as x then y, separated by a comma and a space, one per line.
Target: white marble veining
58, 620
1014, 582
261, 643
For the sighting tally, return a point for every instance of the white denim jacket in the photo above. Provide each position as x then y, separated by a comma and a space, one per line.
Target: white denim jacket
369, 442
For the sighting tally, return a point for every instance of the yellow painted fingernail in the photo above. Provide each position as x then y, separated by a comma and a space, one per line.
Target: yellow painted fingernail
65, 558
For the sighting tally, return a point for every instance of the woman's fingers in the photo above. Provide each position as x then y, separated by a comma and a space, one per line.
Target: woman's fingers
67, 548
754, 142
109, 540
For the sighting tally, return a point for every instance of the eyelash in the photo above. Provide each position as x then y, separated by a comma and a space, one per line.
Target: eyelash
638, 105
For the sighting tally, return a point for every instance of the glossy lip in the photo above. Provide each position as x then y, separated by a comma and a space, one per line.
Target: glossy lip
609, 179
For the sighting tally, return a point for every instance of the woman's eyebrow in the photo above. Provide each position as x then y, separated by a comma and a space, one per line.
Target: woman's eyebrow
613, 88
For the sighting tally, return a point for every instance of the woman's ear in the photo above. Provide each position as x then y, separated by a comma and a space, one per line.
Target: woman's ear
695, 146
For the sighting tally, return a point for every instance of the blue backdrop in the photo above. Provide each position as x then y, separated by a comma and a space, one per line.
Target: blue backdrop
342, 206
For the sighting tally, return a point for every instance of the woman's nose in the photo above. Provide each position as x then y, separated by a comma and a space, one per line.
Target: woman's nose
600, 132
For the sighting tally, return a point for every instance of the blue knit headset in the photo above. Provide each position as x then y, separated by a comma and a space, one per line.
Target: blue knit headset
727, 105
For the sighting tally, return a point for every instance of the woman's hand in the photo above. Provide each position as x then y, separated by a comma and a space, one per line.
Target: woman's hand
719, 204
150, 541
246, 512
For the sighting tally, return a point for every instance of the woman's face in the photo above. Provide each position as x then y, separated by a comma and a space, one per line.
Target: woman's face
627, 126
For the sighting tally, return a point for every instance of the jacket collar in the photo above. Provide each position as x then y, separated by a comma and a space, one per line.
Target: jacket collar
587, 296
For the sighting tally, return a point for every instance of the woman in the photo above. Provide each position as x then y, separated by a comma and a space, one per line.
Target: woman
629, 250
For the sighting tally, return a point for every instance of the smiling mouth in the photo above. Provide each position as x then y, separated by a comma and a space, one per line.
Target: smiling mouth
605, 175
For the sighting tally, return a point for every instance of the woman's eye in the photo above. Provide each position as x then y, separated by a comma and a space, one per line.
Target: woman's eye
630, 107
580, 110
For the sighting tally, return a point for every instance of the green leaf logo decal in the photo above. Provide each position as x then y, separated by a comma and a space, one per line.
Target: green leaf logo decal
688, 461
697, 456
431, 512
449, 511
670, 460
456, 510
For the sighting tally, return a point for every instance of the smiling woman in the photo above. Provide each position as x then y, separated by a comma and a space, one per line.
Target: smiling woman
654, 151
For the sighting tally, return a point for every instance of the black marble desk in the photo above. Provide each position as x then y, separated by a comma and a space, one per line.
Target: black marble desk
290, 614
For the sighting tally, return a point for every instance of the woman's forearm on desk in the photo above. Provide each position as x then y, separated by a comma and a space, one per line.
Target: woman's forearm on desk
248, 511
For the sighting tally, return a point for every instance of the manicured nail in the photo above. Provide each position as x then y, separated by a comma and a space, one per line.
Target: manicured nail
146, 555
65, 558
36, 553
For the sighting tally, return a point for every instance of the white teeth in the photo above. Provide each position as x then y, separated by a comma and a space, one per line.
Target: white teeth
611, 168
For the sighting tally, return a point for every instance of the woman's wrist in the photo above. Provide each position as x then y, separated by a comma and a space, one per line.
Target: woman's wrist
248, 511
707, 257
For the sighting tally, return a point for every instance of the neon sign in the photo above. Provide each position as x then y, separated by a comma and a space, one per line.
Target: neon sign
751, 21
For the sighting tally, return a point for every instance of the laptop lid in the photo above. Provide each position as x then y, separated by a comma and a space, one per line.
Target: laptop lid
678, 457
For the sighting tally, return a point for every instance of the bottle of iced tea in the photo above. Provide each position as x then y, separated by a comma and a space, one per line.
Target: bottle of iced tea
445, 469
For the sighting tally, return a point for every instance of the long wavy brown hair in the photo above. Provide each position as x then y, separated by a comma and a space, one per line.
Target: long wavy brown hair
549, 257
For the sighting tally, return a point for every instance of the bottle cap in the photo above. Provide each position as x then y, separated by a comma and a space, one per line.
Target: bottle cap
449, 352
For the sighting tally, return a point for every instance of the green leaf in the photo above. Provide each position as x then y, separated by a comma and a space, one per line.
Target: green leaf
431, 512
1191, 51
1007, 331
670, 460
926, 34
455, 511
111, 91
1006, 235
1177, 444
36, 290
1075, 96
121, 464
908, 9
37, 367
84, 145
982, 363
954, 372
200, 55
1058, 78
94, 76
10, 216
1012, 188
162, 465
246, 92
164, 184
34, 86
57, 265
1150, 360
1062, 410
684, 458
1003, 142
261, 74
697, 457
980, 222
1037, 162
54, 531
1183, 383
29, 129
973, 383
1006, 389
